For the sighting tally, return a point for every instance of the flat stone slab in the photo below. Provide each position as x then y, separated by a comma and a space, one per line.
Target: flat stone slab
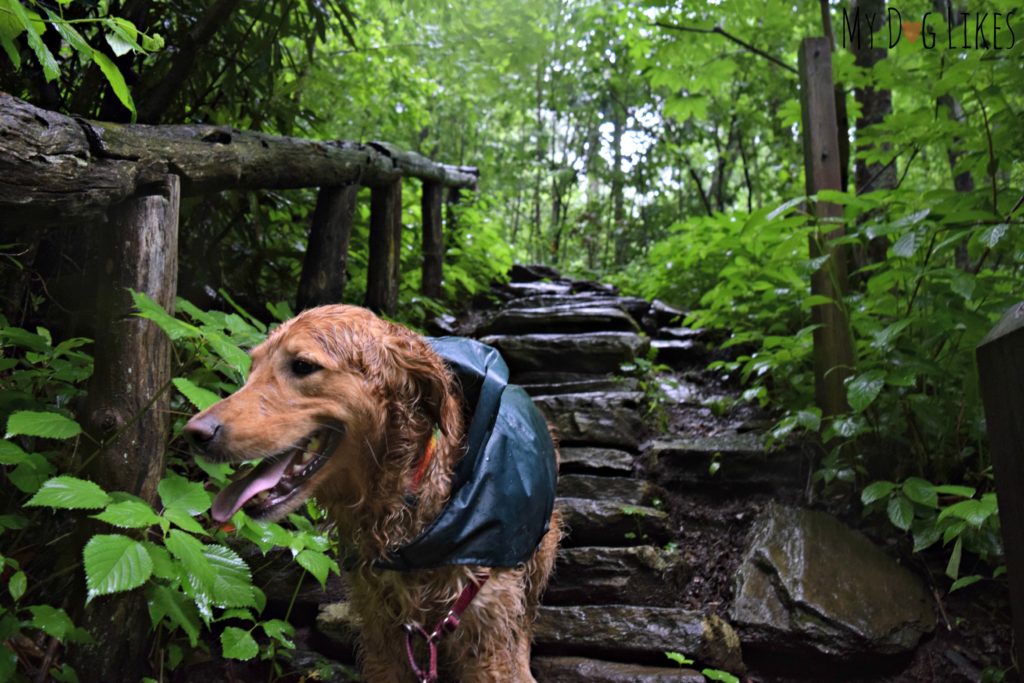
810, 584
532, 288
636, 575
728, 461
623, 489
638, 634
595, 460
592, 352
678, 353
595, 418
612, 523
536, 384
559, 319
582, 670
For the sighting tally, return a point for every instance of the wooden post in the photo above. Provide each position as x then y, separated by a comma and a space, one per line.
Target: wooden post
833, 344
451, 202
323, 269
433, 240
129, 402
1001, 371
383, 273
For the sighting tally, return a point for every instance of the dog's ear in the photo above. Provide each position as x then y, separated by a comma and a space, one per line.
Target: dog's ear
421, 379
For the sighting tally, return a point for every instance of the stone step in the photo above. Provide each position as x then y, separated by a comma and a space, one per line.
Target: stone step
595, 418
636, 575
559, 319
724, 461
612, 523
637, 634
592, 352
625, 489
546, 383
595, 460
517, 289
636, 307
582, 670
679, 353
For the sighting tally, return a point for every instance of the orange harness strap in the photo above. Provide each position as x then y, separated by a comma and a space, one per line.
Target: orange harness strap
428, 455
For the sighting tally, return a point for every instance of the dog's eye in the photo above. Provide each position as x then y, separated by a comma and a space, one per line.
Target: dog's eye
301, 368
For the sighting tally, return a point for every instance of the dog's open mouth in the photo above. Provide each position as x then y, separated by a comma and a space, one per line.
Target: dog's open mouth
277, 480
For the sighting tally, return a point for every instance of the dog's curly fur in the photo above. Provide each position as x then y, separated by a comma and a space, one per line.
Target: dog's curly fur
383, 389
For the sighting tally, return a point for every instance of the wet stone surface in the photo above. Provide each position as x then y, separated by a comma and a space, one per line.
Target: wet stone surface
593, 352
559, 319
595, 460
573, 669
625, 489
809, 583
595, 418
611, 523
636, 575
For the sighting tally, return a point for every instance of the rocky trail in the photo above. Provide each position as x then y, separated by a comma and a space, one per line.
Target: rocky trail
683, 535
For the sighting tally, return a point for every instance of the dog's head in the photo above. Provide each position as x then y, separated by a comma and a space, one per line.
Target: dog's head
337, 401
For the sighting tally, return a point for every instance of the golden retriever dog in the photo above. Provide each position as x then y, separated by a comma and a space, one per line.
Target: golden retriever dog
367, 417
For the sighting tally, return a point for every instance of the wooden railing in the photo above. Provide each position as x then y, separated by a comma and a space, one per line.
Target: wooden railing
124, 182
58, 169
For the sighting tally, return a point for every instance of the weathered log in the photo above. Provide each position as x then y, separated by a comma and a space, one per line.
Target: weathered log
323, 269
384, 271
433, 240
55, 167
833, 343
128, 409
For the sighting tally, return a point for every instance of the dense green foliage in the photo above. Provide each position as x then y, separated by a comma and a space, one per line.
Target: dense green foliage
654, 144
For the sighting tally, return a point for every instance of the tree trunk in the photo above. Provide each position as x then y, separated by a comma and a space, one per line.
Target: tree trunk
323, 269
128, 405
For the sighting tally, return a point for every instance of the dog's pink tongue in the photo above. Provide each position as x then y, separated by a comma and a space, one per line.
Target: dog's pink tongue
263, 478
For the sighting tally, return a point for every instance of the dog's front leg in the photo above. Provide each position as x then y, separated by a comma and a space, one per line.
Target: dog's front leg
383, 658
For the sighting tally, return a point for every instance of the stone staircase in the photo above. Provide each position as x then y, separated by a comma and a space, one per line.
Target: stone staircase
672, 535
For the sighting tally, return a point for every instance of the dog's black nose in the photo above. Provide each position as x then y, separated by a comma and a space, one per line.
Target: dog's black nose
202, 430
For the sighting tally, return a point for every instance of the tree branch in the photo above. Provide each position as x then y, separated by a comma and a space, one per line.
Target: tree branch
718, 30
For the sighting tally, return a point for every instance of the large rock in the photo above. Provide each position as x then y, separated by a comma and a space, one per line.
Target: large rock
595, 418
636, 575
726, 461
560, 319
582, 670
594, 460
532, 272
544, 383
534, 288
638, 634
593, 352
612, 523
810, 585
623, 489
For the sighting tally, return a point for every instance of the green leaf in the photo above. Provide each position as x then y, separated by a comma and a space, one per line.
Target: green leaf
171, 604
864, 388
964, 582
955, 490
51, 620
238, 643
229, 351
190, 551
233, 583
150, 310
31, 474
679, 658
906, 245
279, 630
183, 520
34, 27
129, 514
178, 493
994, 234
197, 396
718, 675
69, 493
116, 80
316, 563
876, 491
921, 491
114, 563
901, 512
163, 566
11, 454
974, 512
17, 585
42, 424
953, 566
